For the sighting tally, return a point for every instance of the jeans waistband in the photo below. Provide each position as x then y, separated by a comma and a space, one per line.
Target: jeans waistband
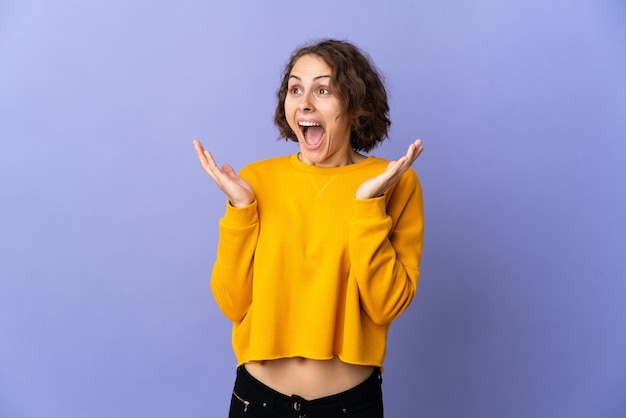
340, 402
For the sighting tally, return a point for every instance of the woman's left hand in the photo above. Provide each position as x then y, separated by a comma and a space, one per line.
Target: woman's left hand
376, 186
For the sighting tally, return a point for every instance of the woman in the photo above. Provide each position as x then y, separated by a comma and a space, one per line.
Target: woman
319, 251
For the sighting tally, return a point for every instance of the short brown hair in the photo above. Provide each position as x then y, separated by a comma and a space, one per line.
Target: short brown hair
358, 85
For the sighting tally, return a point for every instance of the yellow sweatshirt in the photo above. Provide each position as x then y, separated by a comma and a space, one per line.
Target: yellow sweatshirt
309, 271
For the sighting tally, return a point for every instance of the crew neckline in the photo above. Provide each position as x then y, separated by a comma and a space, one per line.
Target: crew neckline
296, 163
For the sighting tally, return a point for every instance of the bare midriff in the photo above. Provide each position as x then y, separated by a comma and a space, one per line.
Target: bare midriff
310, 379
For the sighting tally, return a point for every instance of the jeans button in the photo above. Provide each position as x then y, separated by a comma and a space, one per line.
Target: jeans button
296, 406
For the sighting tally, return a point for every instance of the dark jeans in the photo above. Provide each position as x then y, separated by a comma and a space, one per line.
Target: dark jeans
253, 399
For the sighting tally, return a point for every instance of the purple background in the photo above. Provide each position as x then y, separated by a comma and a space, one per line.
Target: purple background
108, 225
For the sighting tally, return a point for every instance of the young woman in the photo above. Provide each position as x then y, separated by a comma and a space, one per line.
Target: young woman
318, 251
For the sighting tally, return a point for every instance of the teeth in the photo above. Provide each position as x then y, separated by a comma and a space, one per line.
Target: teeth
307, 123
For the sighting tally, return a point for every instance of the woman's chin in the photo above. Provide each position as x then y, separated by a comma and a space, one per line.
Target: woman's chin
312, 154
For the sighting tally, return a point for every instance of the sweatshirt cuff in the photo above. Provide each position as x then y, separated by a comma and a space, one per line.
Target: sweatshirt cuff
369, 209
240, 217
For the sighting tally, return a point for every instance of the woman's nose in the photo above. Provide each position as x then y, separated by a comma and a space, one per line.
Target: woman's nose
306, 104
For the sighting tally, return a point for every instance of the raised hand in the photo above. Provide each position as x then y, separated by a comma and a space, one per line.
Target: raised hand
238, 190
376, 186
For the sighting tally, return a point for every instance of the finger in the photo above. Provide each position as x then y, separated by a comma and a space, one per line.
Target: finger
210, 160
229, 171
418, 153
212, 168
199, 150
412, 154
418, 145
207, 161
198, 147
415, 149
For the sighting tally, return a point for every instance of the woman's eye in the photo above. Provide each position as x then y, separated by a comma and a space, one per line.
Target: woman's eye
294, 90
324, 91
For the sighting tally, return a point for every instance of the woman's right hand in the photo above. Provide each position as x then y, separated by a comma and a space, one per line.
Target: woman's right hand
238, 190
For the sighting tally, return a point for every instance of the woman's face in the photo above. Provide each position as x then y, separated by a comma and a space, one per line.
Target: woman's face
315, 113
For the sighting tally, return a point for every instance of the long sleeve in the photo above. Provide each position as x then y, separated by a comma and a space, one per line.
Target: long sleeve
231, 280
385, 247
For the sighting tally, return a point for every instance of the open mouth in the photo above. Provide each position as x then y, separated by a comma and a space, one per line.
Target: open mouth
312, 132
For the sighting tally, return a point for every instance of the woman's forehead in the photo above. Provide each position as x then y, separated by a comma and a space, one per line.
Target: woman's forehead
311, 65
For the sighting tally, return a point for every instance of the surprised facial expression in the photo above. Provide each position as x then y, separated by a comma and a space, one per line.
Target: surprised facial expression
315, 113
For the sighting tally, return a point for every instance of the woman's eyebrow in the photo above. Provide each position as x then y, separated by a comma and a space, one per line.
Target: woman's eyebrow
314, 78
